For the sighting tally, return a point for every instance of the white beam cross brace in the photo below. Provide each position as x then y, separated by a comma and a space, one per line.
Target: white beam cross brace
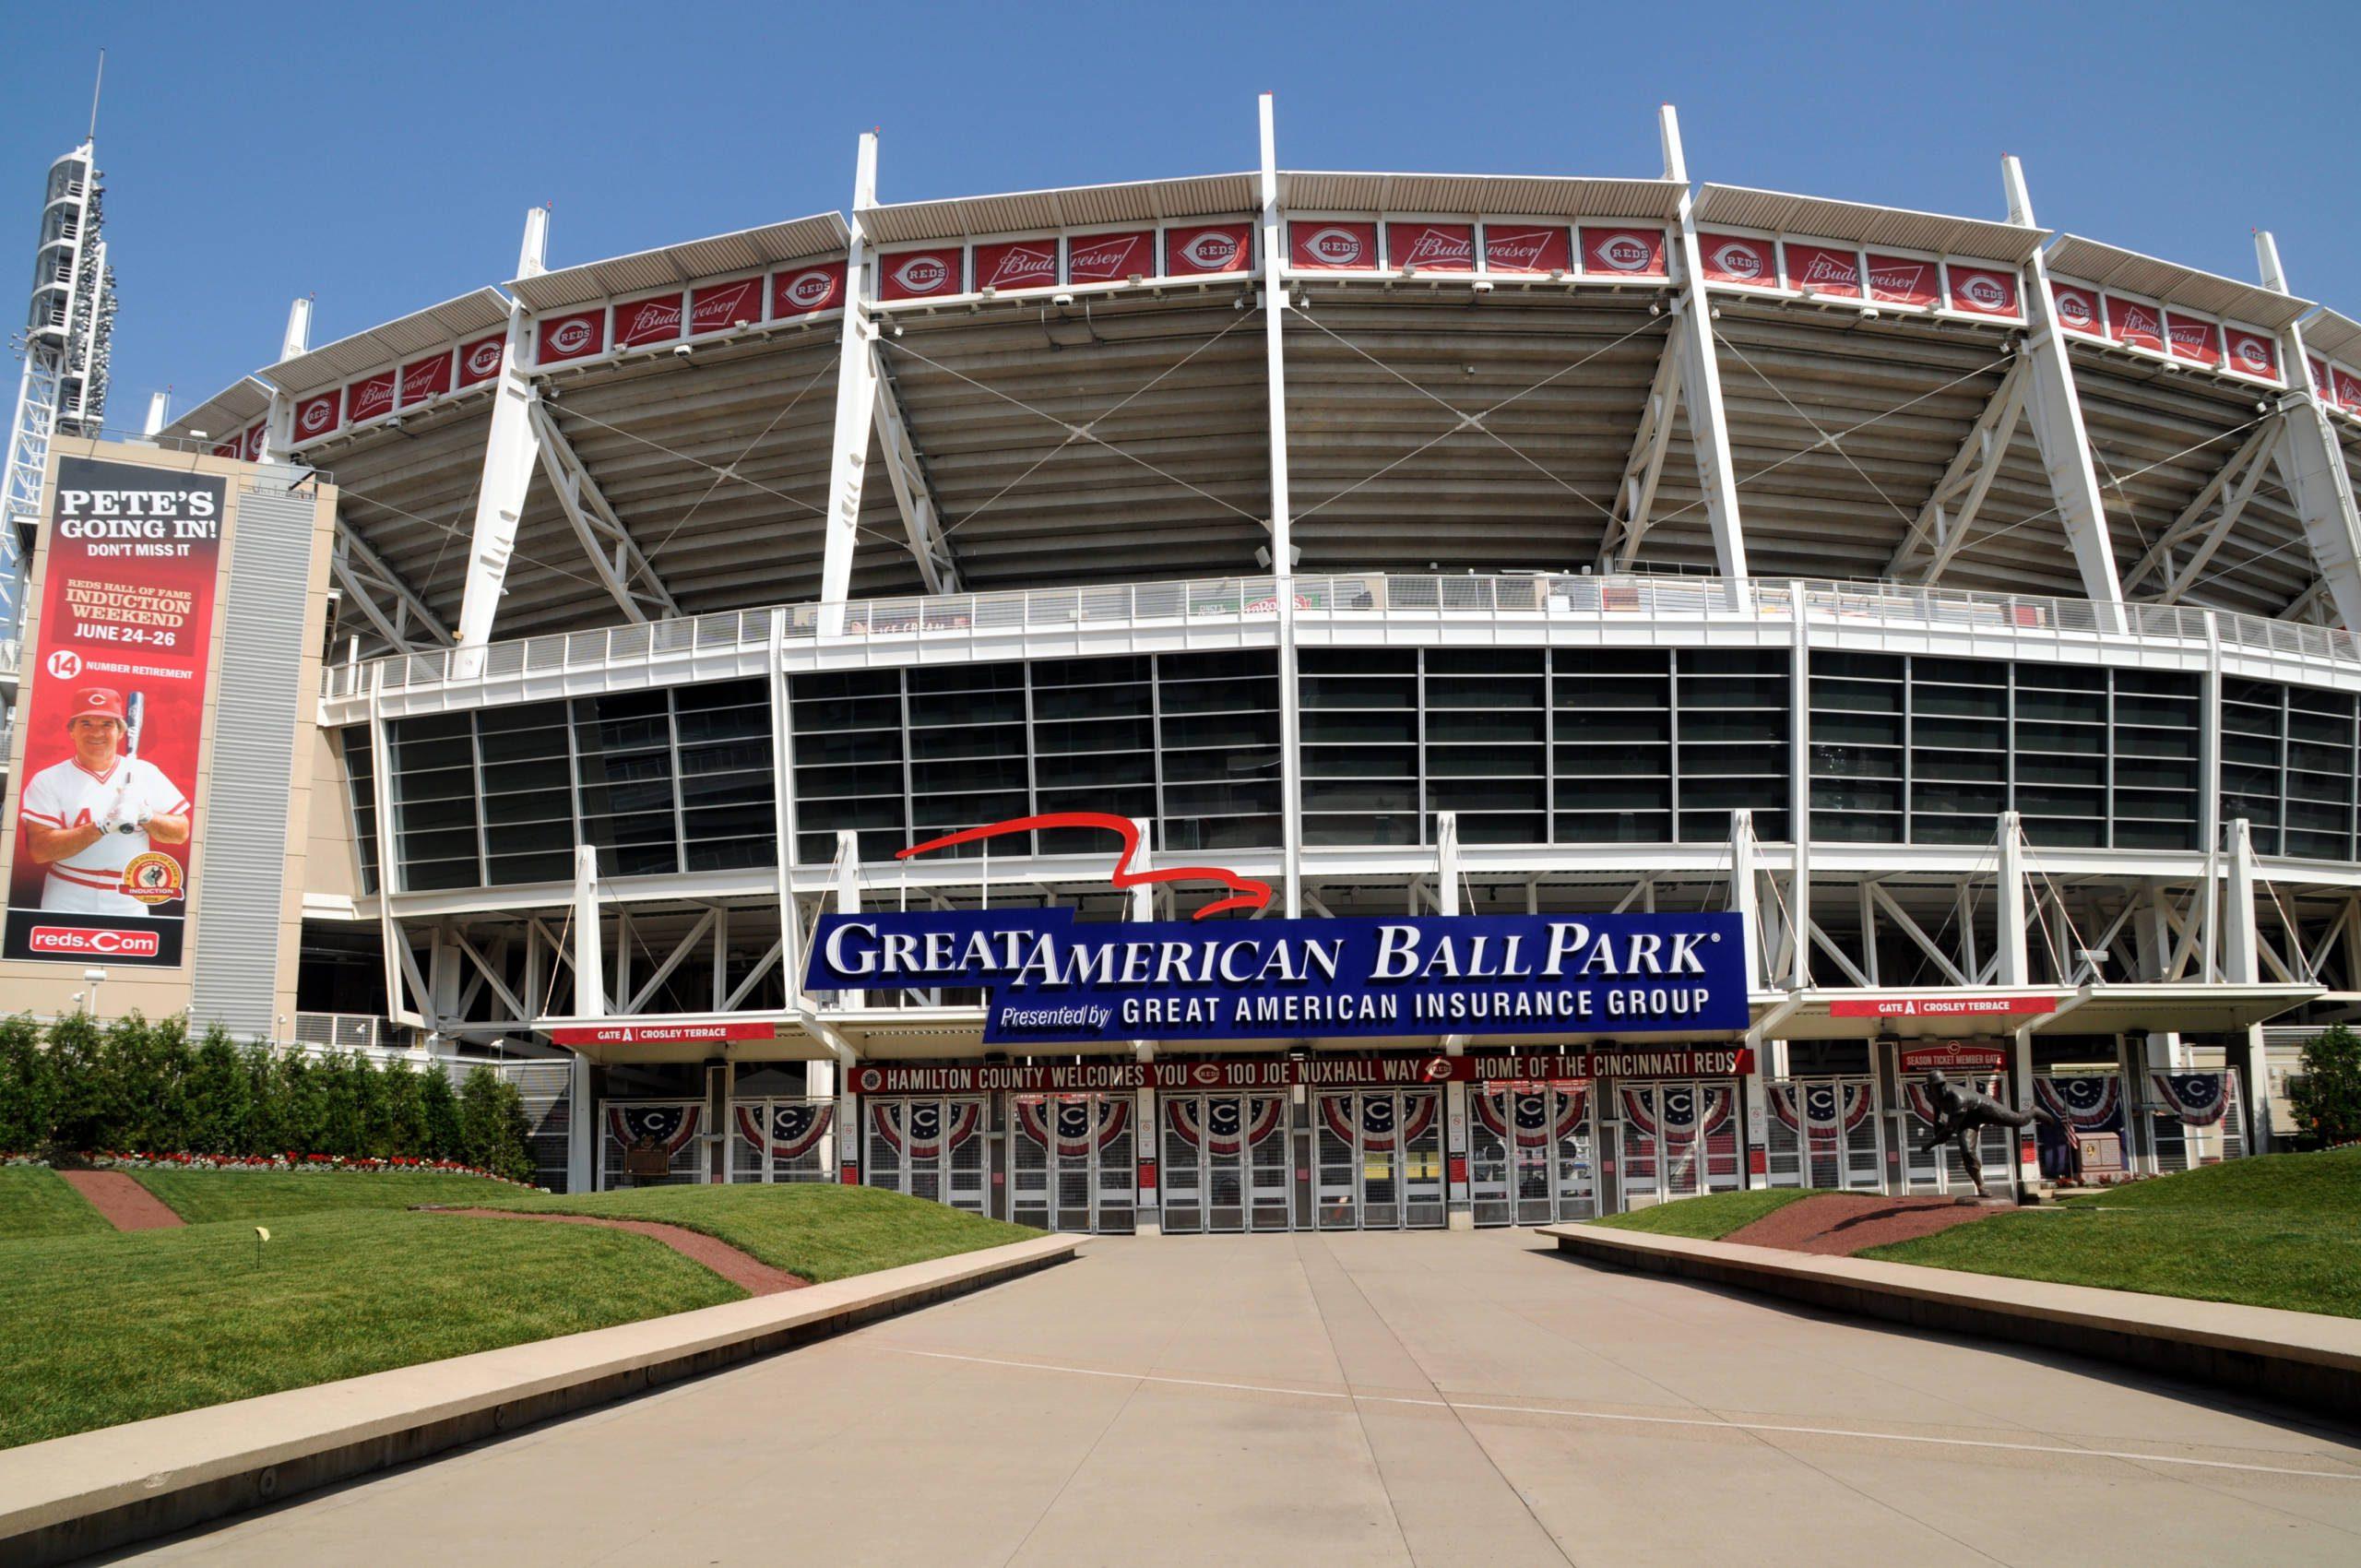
913, 490
1635, 498
614, 554
1941, 527
378, 591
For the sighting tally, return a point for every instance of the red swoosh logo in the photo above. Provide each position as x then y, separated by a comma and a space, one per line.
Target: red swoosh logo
1251, 893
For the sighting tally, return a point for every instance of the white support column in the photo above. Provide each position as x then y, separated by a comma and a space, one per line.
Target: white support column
2318, 480
849, 896
1148, 1197
2241, 966
2009, 909
1800, 787
278, 424
1745, 898
298, 337
509, 457
589, 961
389, 871
1274, 306
2057, 411
159, 413
1459, 1212
856, 404
1701, 381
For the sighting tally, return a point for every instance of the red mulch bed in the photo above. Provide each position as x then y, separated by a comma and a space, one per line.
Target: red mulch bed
747, 1271
122, 1202
1840, 1224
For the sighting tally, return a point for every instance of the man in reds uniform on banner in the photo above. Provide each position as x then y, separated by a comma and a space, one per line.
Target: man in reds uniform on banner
118, 669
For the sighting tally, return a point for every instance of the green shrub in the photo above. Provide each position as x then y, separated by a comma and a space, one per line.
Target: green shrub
2327, 1096
29, 1089
492, 1128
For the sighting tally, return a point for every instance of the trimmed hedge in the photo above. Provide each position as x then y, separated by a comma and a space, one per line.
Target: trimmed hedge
77, 1085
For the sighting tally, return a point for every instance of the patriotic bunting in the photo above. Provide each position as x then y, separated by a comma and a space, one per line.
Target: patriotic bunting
670, 1126
1378, 1129
2200, 1099
1214, 1124
923, 1129
1083, 1121
790, 1128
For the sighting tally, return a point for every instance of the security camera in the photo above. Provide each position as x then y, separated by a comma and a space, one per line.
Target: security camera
1061, 299
682, 350
1481, 286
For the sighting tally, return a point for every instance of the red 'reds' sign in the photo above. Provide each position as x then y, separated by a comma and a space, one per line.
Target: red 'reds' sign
1734, 258
315, 417
1006, 265
1527, 247
479, 360
1326, 245
654, 320
574, 336
1992, 290
919, 275
1623, 253
2078, 309
1905, 281
1824, 269
423, 380
1190, 252
807, 289
2251, 353
1110, 258
719, 308
1429, 247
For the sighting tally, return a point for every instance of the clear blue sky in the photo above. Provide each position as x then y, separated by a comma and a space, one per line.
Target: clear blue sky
256, 152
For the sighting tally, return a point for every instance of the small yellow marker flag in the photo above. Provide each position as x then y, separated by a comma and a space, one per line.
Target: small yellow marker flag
263, 1232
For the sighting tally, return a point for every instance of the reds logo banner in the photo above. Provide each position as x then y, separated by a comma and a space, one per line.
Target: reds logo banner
2252, 353
656, 320
113, 715
2078, 308
719, 308
1213, 247
576, 337
2348, 389
1431, 247
1110, 258
2319, 376
919, 275
1900, 281
807, 289
1824, 269
479, 360
253, 448
2136, 325
1017, 264
423, 380
315, 417
1627, 253
373, 399
1734, 258
2192, 340
1991, 291
1527, 247
1326, 246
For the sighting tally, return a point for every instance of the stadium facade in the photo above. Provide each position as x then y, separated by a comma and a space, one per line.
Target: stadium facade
1958, 612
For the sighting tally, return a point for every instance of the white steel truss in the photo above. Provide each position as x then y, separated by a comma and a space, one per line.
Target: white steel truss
1941, 525
1635, 497
622, 566
913, 490
857, 400
2313, 462
391, 605
2232, 486
509, 457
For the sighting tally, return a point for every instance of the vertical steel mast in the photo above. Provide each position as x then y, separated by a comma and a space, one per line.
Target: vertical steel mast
64, 346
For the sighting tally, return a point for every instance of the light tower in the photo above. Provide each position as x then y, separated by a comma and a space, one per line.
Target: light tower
64, 346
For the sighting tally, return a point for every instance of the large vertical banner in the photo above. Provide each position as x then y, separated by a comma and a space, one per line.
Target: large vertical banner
114, 716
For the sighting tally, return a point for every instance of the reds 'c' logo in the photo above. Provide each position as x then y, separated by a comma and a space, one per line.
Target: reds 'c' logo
809, 291
1741, 261
1210, 251
1624, 252
1337, 247
485, 359
572, 338
1248, 893
922, 274
316, 416
1984, 293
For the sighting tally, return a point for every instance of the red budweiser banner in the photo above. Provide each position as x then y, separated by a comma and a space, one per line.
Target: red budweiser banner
1429, 247
1332, 246
719, 308
372, 399
1734, 258
1006, 265
2136, 324
919, 275
1992, 290
315, 417
574, 336
656, 320
479, 360
1905, 281
1527, 247
807, 289
1110, 258
119, 667
1212, 247
2348, 389
423, 380
1824, 269
1634, 253
2192, 340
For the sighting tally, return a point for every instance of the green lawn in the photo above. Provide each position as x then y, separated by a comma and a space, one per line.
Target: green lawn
817, 1229
202, 1196
101, 1329
2282, 1230
1707, 1219
35, 1201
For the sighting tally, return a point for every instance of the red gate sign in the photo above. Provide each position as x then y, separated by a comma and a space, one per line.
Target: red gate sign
1954, 1055
1429, 247
722, 307
1324, 245
425, 379
1992, 290
807, 289
1905, 281
715, 1033
1623, 253
656, 320
1017, 264
1938, 1007
114, 720
926, 274
1110, 258
1211, 247
1734, 258
1527, 247
1824, 269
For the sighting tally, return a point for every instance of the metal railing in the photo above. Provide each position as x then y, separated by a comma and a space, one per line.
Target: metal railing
965, 616
344, 1032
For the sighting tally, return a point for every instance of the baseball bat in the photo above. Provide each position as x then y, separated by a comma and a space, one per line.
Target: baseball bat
135, 711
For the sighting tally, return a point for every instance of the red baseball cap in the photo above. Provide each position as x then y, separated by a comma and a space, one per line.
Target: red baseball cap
96, 702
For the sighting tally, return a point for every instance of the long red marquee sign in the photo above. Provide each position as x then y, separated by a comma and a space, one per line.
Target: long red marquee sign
1279, 1072
1938, 1007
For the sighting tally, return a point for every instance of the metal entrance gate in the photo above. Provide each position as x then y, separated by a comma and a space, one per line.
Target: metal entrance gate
1531, 1153
1824, 1133
645, 1143
1380, 1159
1677, 1139
780, 1140
928, 1148
1225, 1162
1071, 1167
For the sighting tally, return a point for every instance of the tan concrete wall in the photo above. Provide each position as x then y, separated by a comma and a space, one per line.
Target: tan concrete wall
47, 988
332, 856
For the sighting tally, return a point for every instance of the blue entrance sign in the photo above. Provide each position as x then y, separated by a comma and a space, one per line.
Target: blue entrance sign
1049, 980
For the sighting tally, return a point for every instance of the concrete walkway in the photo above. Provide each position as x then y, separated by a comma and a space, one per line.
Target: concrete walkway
1435, 1398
